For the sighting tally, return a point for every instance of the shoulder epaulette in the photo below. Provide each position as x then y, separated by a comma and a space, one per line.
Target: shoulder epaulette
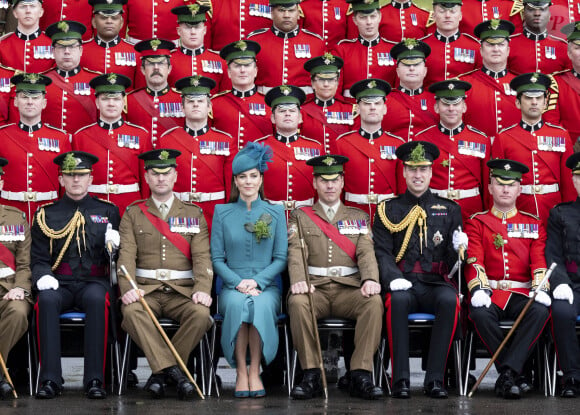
220, 131
308, 32
91, 70
426, 129
124, 41
52, 127
357, 210
388, 41
8, 68
84, 128
516, 35
15, 210
430, 20
188, 203
134, 203
258, 32
135, 90
213, 51
529, 214
559, 39
92, 39
508, 128
175, 90
467, 35
468, 73
559, 127
219, 94
517, 7
171, 130
311, 139
7, 125
560, 72
262, 138
445, 199
346, 41
425, 37
136, 126
478, 213
347, 133
394, 136
475, 130
6, 35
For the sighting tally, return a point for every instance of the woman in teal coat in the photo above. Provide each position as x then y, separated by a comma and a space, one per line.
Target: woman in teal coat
249, 249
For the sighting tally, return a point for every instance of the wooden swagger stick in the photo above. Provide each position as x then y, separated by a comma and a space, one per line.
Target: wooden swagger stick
311, 305
515, 325
7, 376
161, 331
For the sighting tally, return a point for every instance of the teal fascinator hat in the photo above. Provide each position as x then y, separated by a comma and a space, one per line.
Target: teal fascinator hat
252, 156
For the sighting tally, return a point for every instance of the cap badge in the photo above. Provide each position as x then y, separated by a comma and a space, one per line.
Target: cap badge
577, 25
194, 80
507, 167
70, 162
372, 84
328, 58
418, 154
164, 155
577, 166
494, 24
109, 1
451, 86
285, 90
63, 26
112, 78
534, 78
368, 1
154, 43
193, 8
411, 43
31, 77
241, 45
329, 161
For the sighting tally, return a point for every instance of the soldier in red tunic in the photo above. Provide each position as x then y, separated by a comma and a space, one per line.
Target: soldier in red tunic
327, 18
57, 10
327, 115
460, 172
27, 49
491, 103
368, 55
402, 19
374, 173
157, 107
205, 167
505, 263
31, 146
480, 11
5, 93
242, 112
410, 104
538, 144
116, 143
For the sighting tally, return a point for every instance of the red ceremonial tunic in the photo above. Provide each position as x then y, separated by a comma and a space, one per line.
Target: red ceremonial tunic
478, 11
409, 111
28, 53
326, 18
567, 110
77, 10
201, 61
148, 19
5, 93
403, 21
537, 53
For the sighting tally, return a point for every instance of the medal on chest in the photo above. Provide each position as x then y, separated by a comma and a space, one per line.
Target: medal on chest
211, 66
337, 13
218, 148
99, 219
4, 84
550, 52
469, 148
385, 59
302, 50
11, 233
414, 21
125, 59
339, 117
388, 152
353, 227
260, 10
548, 143
305, 153
171, 109
128, 141
49, 144
43, 52
257, 109
522, 230
82, 88
184, 225
464, 55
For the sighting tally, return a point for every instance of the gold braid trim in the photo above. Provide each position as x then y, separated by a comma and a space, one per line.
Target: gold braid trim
416, 216
77, 222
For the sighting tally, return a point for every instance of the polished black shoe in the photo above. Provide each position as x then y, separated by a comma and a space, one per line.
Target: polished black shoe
132, 379
48, 390
362, 386
155, 385
310, 387
401, 389
523, 384
5, 389
185, 389
95, 390
436, 390
506, 387
570, 389
344, 381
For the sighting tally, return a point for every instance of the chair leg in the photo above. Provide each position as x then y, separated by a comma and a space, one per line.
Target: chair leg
469, 350
212, 372
202, 361
458, 366
124, 365
31, 362
294, 358
288, 363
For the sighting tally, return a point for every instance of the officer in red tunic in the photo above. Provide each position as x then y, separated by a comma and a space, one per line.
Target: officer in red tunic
205, 167
327, 115
107, 51
491, 103
57, 10
286, 47
368, 55
452, 52
27, 49
402, 20
71, 103
460, 172
505, 263
192, 57
375, 174
538, 144
327, 18
410, 104
535, 50
5, 92
116, 142
242, 112
288, 180
31, 146
157, 106
480, 11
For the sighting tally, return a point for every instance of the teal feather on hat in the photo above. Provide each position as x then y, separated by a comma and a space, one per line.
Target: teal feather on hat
252, 156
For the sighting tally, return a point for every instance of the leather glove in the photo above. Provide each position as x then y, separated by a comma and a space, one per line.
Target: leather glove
112, 236
542, 298
400, 284
459, 238
480, 298
47, 282
563, 292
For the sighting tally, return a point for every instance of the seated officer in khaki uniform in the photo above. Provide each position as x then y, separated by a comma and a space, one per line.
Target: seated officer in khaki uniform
344, 275
165, 245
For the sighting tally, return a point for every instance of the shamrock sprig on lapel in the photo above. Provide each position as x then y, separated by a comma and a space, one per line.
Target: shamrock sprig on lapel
261, 228
498, 241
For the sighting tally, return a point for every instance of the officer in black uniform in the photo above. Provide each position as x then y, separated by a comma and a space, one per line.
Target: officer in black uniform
416, 238
69, 270
563, 248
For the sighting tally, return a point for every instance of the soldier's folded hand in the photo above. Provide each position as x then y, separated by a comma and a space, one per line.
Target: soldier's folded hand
400, 284
542, 298
480, 298
370, 288
563, 292
301, 287
202, 298
132, 296
47, 282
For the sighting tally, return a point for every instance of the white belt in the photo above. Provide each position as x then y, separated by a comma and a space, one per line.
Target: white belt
6, 272
540, 189
332, 271
292, 204
199, 196
29, 196
114, 188
507, 285
163, 274
367, 199
457, 193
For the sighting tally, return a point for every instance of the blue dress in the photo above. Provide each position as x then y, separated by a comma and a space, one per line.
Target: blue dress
236, 255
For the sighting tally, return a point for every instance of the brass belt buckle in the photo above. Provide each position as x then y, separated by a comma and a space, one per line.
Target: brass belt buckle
335, 272
289, 204
504, 285
373, 198
163, 274
195, 197
452, 194
538, 188
30, 196
113, 188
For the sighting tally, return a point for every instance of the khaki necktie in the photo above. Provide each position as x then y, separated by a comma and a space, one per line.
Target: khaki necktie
330, 213
163, 209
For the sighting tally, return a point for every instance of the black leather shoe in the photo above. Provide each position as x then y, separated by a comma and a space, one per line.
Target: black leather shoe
5, 389
506, 387
155, 386
132, 379
48, 390
185, 389
344, 381
436, 390
523, 384
362, 386
95, 390
310, 386
401, 389
570, 389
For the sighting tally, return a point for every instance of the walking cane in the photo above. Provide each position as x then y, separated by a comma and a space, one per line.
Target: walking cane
311, 305
160, 329
7, 376
515, 325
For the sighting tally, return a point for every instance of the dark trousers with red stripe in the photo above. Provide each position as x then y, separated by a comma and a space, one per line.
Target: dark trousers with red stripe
440, 300
92, 299
486, 322
564, 333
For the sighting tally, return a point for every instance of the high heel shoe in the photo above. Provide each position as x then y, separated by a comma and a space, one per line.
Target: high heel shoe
242, 394
260, 393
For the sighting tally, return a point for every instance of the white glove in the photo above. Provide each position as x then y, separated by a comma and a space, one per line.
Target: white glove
112, 236
563, 292
400, 284
47, 282
542, 298
480, 298
459, 238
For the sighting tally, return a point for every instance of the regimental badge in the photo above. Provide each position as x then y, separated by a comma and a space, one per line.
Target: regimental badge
437, 238
498, 241
164, 155
471, 260
285, 89
328, 58
70, 162
371, 84
112, 78
292, 230
329, 161
445, 163
154, 43
194, 81
411, 43
494, 24
534, 78
451, 86
241, 45
31, 77
507, 167
63, 27
193, 8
